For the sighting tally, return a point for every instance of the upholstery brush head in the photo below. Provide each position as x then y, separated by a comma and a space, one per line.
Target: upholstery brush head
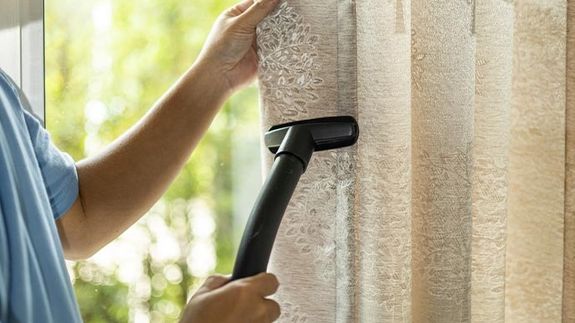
326, 133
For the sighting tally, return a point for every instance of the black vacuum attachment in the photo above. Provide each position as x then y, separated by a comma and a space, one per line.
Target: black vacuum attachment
293, 144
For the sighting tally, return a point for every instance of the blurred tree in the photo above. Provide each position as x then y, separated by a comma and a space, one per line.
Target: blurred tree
107, 61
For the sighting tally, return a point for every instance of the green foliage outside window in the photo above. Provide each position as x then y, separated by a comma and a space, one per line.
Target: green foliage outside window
107, 61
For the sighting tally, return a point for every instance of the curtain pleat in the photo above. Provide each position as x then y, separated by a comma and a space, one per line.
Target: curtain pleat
457, 203
442, 131
384, 161
569, 238
298, 76
492, 120
535, 218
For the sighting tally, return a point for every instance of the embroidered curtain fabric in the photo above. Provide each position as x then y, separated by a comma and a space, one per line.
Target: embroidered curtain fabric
457, 204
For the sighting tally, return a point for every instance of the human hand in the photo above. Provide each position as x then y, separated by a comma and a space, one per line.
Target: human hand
243, 300
230, 49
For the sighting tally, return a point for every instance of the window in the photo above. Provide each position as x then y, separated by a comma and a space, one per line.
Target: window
106, 63
22, 54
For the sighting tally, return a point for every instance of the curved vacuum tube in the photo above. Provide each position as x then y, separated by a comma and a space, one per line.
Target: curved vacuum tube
293, 144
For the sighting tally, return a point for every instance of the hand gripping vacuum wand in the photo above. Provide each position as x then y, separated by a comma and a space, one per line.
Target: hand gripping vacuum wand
293, 144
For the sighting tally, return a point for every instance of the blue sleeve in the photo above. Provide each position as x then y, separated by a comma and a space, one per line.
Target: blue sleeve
58, 169
4, 268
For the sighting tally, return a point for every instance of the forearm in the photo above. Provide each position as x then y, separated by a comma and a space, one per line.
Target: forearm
120, 184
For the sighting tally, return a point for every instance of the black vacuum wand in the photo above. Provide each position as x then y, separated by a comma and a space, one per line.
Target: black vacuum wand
293, 144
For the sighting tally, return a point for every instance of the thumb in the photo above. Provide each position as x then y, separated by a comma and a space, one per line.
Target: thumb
256, 12
214, 282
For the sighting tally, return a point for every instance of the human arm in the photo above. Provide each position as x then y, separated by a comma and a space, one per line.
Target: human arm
120, 184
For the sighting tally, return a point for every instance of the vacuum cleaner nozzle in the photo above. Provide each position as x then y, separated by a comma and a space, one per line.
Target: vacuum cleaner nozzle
326, 133
302, 138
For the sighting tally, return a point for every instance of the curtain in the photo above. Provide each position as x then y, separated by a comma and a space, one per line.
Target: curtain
457, 203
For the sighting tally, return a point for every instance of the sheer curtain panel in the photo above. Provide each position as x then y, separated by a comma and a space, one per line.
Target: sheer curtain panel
457, 204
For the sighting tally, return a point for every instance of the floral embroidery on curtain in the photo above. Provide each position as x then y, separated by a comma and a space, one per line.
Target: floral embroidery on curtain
287, 62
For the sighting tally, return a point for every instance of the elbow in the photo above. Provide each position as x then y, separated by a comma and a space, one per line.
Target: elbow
79, 251
79, 247
77, 234
77, 239
80, 238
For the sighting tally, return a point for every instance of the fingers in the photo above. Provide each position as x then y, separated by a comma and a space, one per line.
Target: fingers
239, 8
265, 284
272, 310
256, 12
249, 297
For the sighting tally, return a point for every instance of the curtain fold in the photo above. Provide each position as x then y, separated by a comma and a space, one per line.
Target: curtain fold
535, 219
569, 238
457, 202
492, 111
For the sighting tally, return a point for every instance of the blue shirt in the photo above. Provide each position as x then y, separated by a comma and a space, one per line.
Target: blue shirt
38, 183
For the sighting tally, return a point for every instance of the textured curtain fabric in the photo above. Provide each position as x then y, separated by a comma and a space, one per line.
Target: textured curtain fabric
458, 202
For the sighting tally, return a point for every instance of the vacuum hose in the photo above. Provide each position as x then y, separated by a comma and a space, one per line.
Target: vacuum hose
257, 242
293, 144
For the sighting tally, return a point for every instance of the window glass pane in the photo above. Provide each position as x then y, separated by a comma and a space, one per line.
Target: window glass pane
106, 63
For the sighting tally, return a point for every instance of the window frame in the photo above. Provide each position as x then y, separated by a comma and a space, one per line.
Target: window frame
22, 54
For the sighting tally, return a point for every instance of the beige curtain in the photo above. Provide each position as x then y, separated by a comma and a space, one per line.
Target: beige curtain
457, 204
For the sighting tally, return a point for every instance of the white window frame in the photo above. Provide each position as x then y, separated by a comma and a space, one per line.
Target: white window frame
22, 48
